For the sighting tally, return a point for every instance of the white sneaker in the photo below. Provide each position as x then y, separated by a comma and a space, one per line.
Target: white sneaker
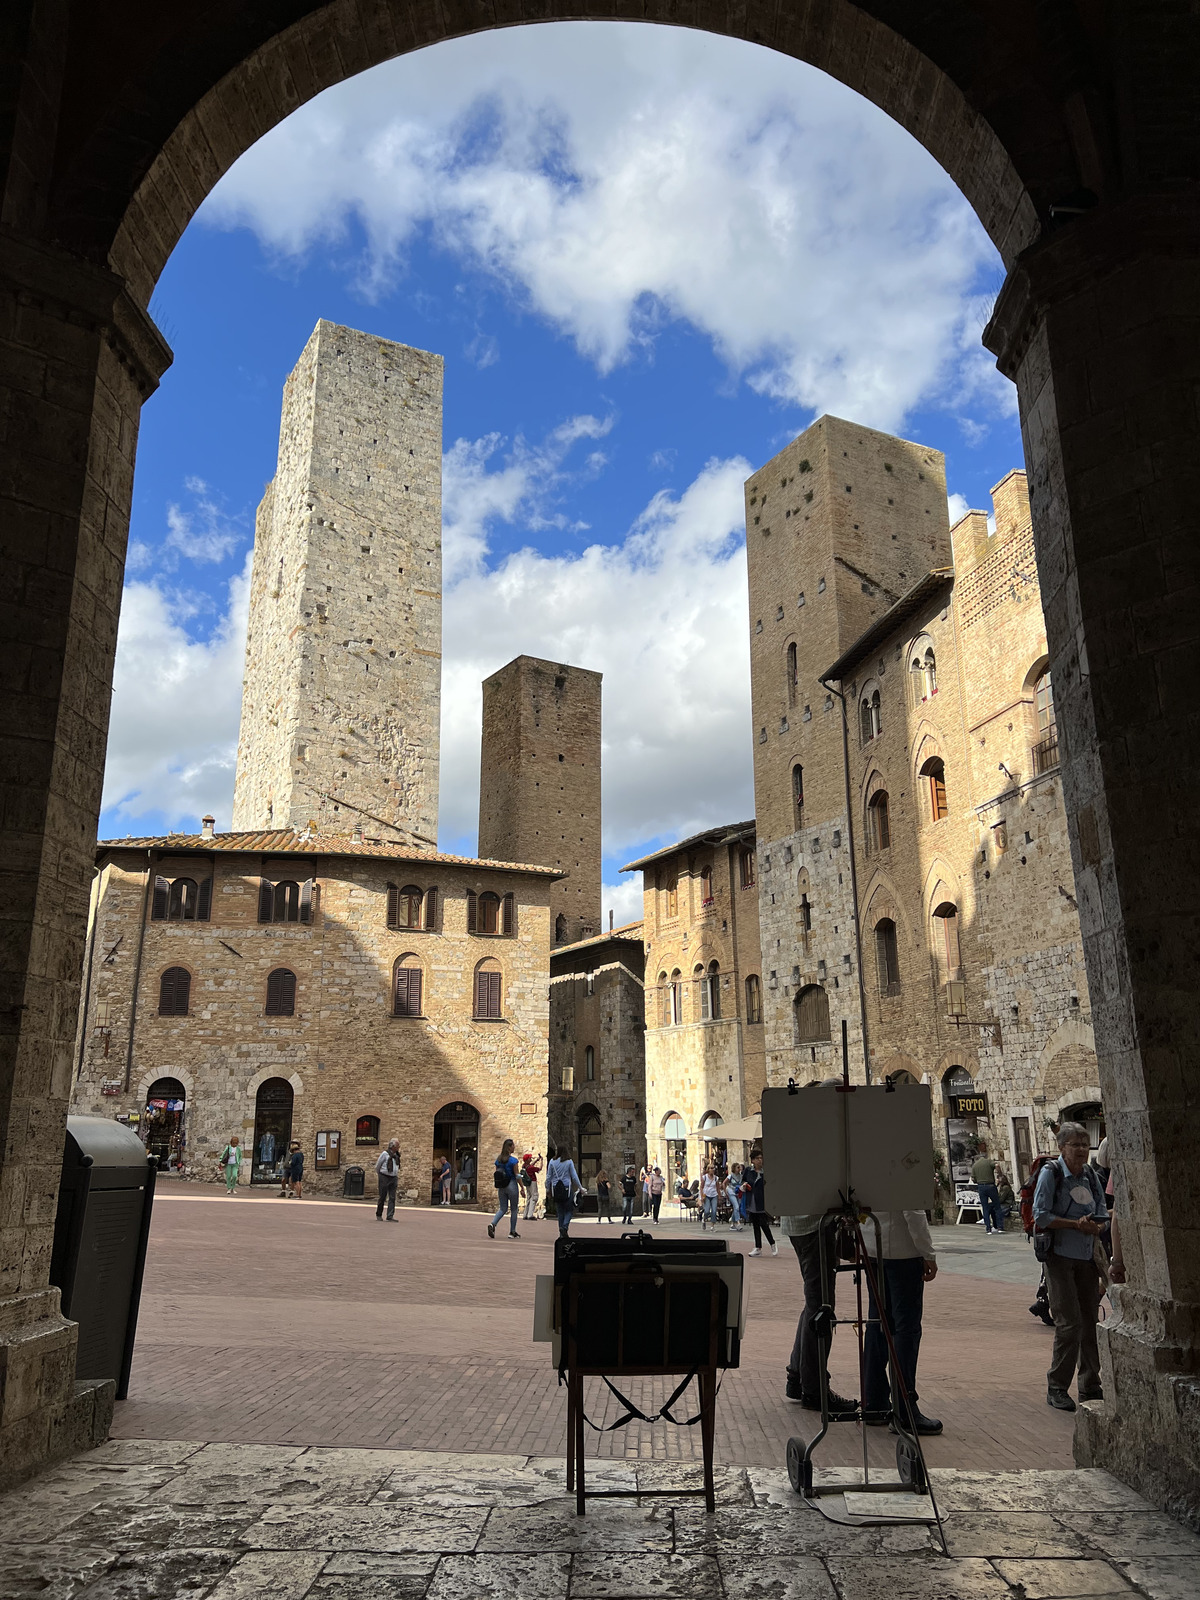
774, 1249
756, 1251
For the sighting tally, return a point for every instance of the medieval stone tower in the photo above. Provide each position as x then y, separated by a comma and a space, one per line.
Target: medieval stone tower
539, 782
342, 694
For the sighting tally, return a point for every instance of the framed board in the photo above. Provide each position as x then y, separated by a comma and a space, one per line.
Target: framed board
820, 1141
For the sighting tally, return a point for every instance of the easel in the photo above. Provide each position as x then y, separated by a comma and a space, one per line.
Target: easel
844, 1223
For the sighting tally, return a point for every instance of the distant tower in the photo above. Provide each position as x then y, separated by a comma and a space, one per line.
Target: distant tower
342, 695
539, 782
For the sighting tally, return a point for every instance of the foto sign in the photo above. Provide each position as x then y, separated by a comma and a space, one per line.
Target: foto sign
969, 1105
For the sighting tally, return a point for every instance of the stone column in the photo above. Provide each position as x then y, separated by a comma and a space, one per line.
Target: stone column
77, 358
1099, 327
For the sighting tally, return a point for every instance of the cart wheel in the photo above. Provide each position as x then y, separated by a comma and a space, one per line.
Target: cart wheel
910, 1466
799, 1470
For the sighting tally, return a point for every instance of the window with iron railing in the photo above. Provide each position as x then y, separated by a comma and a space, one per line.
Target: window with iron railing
1045, 753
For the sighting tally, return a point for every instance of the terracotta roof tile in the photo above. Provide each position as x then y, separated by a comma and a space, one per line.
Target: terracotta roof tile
286, 841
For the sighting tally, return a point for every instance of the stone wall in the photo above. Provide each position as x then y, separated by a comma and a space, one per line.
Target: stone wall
539, 782
342, 696
344, 1052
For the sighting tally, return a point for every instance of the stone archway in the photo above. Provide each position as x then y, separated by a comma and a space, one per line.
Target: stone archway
1079, 151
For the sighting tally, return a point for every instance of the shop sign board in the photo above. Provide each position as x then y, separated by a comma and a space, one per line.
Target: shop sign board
974, 1104
966, 1195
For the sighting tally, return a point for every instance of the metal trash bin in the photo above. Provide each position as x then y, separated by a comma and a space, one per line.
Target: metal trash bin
100, 1233
354, 1183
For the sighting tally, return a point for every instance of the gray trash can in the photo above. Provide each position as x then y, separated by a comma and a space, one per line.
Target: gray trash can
100, 1234
354, 1183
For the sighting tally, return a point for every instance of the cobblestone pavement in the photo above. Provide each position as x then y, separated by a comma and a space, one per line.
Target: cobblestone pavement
307, 1322
157, 1520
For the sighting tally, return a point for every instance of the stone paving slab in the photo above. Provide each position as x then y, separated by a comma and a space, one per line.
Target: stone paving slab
231, 1522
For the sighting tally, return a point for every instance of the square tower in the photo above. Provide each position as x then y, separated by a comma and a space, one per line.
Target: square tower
341, 700
539, 783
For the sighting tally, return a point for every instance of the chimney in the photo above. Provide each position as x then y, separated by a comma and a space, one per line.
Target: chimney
610, 919
207, 824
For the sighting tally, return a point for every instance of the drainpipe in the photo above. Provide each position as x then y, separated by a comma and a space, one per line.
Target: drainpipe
151, 863
862, 989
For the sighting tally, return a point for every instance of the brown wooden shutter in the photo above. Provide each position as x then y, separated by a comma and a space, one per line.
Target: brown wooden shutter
174, 992
508, 914
306, 897
281, 993
431, 910
414, 991
472, 912
492, 981
204, 904
393, 910
266, 901
162, 900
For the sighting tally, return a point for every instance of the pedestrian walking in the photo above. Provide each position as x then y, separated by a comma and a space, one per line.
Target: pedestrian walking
756, 1201
387, 1170
562, 1182
628, 1194
733, 1191
603, 1198
644, 1179
708, 1197
295, 1170
508, 1190
443, 1177
529, 1177
657, 1184
983, 1176
909, 1263
1070, 1213
231, 1163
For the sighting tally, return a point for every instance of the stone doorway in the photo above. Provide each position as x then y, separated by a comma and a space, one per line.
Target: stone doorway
456, 1139
163, 1123
272, 1129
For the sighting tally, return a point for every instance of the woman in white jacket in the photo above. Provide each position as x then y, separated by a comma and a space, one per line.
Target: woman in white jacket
909, 1264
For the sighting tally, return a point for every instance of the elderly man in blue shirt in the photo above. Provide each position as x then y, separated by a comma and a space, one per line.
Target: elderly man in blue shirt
1069, 1205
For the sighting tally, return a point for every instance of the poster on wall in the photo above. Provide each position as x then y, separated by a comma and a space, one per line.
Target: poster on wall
329, 1148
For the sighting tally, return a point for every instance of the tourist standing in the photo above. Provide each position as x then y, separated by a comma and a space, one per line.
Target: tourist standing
1069, 1205
909, 1263
603, 1198
983, 1176
508, 1190
529, 1177
295, 1170
231, 1163
708, 1195
628, 1194
562, 1182
644, 1180
387, 1170
657, 1184
756, 1202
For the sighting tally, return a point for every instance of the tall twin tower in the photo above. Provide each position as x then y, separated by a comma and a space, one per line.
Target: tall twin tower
341, 700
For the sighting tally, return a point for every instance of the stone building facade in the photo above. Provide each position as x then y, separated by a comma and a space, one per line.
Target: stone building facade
705, 1051
597, 1101
309, 985
939, 818
539, 782
342, 691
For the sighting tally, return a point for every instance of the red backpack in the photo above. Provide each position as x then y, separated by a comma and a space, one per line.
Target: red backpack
1027, 1189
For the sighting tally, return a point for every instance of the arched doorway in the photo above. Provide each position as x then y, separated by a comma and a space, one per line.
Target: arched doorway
590, 1137
674, 1131
162, 1123
272, 1128
714, 1150
963, 1132
456, 1139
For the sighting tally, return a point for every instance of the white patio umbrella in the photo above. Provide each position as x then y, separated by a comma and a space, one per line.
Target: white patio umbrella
749, 1128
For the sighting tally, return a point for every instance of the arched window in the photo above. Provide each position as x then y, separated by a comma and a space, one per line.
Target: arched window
746, 868
287, 901
945, 940
181, 904
1043, 699
286, 906
879, 829
488, 914
812, 1015
181, 900
488, 991
590, 1142
710, 992
174, 992
366, 1130
665, 991
934, 772
673, 897
674, 1131
793, 675
797, 796
706, 888
407, 987
675, 999
753, 999
281, 993
870, 717
560, 929
589, 1064
887, 956
404, 906
923, 670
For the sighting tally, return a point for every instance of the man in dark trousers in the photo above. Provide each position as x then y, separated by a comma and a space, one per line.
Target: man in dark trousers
387, 1170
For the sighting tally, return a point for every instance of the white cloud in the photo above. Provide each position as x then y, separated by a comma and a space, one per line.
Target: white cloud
623, 899
611, 178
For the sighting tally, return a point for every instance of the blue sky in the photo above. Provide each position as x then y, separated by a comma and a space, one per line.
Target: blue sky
649, 259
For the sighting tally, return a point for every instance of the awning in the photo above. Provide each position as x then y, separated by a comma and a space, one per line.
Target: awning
747, 1128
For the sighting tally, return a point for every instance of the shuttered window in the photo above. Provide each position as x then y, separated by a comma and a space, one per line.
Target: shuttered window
281, 993
174, 992
181, 900
286, 901
487, 994
407, 991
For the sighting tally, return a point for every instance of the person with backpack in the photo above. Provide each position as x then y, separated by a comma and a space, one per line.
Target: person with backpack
529, 1177
508, 1190
1070, 1213
231, 1164
387, 1170
295, 1170
756, 1195
563, 1183
628, 1194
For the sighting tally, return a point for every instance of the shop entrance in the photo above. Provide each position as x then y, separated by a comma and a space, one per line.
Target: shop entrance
675, 1134
590, 1142
456, 1140
162, 1123
272, 1129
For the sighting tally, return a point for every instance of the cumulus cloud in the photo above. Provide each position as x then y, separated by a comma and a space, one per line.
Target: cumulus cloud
612, 179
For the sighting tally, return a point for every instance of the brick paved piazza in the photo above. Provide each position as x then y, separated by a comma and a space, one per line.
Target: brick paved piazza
280, 1338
